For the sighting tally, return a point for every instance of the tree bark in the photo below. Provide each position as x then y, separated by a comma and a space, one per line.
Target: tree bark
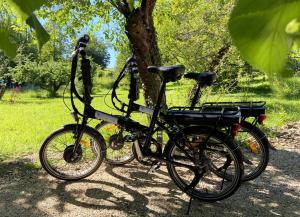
2, 90
142, 36
141, 33
218, 57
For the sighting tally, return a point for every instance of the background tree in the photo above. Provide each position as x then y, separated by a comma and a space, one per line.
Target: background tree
135, 18
50, 70
98, 52
50, 75
278, 27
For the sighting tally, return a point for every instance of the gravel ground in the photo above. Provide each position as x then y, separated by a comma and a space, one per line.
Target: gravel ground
128, 191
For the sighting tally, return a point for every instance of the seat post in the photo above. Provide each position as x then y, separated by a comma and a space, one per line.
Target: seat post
155, 114
195, 99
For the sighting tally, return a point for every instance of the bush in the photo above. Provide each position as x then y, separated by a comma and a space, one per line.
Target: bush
50, 75
105, 79
288, 88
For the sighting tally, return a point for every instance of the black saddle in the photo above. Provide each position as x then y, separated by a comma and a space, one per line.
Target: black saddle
204, 78
168, 73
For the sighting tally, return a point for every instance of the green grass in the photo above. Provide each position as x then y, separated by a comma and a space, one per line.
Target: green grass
27, 122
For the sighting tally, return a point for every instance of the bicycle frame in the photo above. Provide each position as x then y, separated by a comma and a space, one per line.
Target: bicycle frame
133, 107
124, 122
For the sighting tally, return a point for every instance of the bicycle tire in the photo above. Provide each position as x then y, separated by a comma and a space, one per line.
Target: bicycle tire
129, 157
263, 145
233, 151
95, 146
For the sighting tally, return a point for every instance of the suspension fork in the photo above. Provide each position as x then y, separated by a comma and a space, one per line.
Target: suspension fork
80, 128
79, 133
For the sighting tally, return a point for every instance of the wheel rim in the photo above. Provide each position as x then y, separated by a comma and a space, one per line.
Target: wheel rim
59, 159
252, 150
211, 186
119, 149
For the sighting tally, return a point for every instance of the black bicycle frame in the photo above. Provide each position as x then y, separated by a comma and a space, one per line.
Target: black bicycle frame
133, 107
124, 122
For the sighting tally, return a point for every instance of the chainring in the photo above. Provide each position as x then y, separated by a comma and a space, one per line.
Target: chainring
116, 142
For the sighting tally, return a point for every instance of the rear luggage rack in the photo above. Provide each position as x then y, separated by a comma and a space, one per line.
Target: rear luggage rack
212, 115
240, 104
248, 109
214, 109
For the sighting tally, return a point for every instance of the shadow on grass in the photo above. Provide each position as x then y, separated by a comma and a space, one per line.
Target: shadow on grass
279, 107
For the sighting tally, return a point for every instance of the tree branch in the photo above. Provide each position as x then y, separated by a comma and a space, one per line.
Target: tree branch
218, 57
125, 4
148, 6
123, 8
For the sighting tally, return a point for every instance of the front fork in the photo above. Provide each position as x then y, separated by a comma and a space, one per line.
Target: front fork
79, 132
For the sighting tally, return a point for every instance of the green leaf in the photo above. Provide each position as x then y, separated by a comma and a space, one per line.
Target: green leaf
6, 45
293, 28
41, 33
24, 8
258, 29
131, 4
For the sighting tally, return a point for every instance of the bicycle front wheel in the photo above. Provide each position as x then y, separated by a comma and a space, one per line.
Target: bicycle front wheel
192, 164
57, 158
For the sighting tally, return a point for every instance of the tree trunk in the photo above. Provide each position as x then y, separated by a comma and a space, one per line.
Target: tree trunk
218, 57
2, 90
142, 36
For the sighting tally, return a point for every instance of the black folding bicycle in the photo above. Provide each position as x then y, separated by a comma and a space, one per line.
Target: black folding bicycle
203, 162
252, 141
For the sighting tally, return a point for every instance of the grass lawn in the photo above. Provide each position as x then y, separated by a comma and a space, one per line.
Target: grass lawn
26, 123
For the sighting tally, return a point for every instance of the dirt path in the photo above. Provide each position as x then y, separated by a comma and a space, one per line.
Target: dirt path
128, 191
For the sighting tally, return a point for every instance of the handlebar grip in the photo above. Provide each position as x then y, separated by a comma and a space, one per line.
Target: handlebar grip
82, 41
85, 39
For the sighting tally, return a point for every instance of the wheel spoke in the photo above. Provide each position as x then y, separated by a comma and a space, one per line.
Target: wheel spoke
60, 162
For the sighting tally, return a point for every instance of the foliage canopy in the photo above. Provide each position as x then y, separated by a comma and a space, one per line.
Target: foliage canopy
263, 30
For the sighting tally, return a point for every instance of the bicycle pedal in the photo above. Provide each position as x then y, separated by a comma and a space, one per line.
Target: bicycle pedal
154, 167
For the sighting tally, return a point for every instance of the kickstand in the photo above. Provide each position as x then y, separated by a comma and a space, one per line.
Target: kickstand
148, 171
189, 207
190, 204
154, 166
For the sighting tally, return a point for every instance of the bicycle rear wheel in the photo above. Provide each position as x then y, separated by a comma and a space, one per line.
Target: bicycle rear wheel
119, 150
254, 146
57, 158
205, 151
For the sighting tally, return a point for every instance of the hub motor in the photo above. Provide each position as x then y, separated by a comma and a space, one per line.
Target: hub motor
69, 157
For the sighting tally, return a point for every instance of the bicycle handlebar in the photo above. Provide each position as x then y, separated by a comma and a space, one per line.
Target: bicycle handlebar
82, 41
85, 67
130, 67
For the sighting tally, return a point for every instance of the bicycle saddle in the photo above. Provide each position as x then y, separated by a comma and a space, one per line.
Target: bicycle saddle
168, 73
205, 78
